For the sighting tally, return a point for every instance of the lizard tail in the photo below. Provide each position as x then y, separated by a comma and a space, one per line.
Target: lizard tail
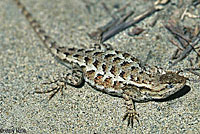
49, 43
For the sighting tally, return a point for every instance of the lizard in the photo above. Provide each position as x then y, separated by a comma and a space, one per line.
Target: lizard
113, 72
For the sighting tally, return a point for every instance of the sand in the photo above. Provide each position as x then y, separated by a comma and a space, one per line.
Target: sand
25, 64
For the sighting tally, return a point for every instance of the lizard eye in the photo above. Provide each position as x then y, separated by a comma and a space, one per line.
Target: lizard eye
169, 86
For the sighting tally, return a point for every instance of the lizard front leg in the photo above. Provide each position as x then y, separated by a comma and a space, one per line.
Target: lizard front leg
73, 77
131, 113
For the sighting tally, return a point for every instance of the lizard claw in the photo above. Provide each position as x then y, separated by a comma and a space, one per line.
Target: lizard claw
130, 116
59, 86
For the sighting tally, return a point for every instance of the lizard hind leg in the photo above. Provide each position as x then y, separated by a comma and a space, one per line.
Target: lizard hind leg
131, 113
73, 77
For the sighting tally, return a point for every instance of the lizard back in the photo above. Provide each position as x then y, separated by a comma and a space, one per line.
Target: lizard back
117, 72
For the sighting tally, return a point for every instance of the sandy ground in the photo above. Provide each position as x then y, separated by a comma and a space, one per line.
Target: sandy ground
25, 64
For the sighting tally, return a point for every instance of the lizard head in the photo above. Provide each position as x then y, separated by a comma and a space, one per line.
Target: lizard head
169, 83
161, 86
